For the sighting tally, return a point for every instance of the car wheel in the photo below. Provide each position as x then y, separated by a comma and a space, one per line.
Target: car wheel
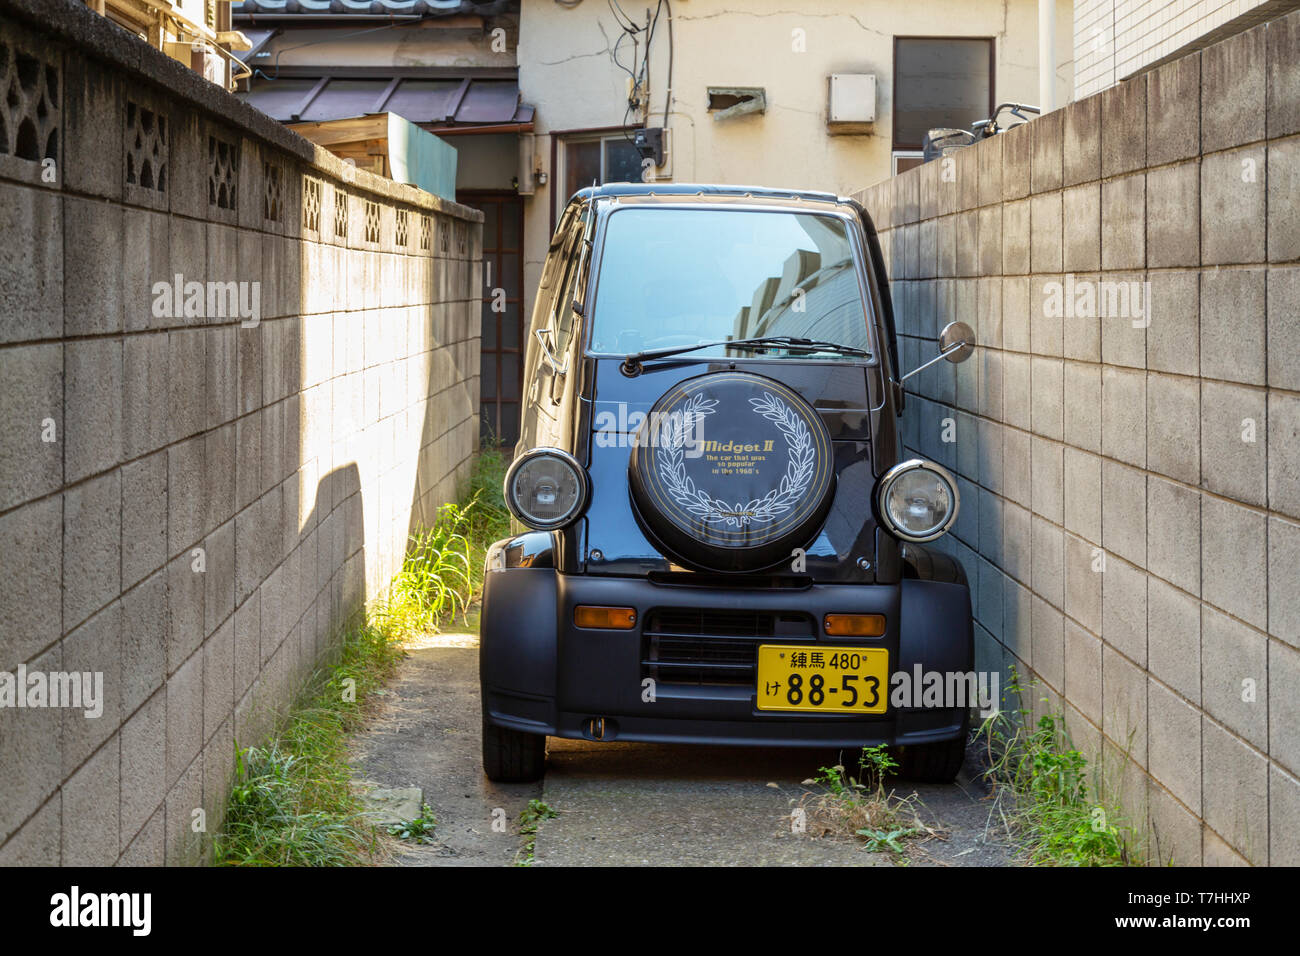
512, 756
933, 763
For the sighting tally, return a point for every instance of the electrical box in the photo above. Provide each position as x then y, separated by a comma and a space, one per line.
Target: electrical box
852, 99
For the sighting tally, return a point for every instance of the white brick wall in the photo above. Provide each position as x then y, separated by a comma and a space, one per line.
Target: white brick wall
1113, 39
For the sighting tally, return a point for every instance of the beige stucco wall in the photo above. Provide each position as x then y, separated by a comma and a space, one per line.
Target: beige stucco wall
565, 71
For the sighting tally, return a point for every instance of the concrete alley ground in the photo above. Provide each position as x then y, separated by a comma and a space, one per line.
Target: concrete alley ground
622, 803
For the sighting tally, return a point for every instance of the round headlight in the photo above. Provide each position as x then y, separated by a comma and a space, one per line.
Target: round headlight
917, 500
546, 488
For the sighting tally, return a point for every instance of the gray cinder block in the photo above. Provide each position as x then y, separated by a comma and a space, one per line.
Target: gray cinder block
1174, 129
1233, 202
1174, 638
1234, 559
1233, 91
1173, 223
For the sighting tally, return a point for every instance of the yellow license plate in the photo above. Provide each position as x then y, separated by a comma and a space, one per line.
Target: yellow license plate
828, 680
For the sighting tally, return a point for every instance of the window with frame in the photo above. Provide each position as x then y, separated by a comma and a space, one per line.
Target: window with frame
596, 157
940, 82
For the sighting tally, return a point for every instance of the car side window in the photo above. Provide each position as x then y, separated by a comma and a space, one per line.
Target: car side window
563, 315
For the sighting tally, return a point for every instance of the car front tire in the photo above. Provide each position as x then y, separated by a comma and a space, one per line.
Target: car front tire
512, 756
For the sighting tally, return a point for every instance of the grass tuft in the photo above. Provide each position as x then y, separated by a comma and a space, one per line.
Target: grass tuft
293, 802
442, 573
863, 807
1056, 812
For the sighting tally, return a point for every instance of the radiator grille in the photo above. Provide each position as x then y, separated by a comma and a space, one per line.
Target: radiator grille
702, 646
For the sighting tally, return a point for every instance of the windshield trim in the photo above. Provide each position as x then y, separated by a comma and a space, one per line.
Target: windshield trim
853, 229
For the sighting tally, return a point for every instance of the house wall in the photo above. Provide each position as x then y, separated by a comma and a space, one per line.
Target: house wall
566, 72
1113, 39
1130, 484
195, 505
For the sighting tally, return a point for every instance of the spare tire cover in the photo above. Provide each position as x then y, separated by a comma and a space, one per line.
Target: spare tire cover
732, 471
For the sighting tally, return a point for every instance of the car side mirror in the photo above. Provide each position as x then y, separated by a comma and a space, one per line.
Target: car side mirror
956, 344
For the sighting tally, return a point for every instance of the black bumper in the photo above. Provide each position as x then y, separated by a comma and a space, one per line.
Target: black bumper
541, 674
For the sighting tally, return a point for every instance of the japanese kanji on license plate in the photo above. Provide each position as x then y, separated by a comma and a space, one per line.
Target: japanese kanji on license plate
838, 680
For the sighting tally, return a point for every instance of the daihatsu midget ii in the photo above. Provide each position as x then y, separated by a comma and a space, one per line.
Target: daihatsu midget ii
716, 541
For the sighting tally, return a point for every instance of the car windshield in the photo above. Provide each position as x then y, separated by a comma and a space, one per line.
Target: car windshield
677, 277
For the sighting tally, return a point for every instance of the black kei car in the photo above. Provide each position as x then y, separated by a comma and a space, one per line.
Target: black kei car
717, 542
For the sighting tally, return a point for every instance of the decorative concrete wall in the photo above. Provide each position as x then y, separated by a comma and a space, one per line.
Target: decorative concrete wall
1129, 468
233, 373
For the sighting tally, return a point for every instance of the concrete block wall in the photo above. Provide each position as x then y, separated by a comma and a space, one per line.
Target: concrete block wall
194, 503
1130, 481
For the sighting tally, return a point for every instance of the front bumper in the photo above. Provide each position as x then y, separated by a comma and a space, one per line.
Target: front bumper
541, 674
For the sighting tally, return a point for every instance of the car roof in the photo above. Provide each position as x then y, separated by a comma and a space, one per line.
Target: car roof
677, 191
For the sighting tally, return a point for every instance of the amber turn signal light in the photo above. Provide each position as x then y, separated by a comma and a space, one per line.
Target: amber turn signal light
613, 618
855, 625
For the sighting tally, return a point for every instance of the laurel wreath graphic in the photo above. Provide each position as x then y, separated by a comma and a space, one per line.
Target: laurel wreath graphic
715, 511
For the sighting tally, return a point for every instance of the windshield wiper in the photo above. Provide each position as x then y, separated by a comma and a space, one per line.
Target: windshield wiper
632, 363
